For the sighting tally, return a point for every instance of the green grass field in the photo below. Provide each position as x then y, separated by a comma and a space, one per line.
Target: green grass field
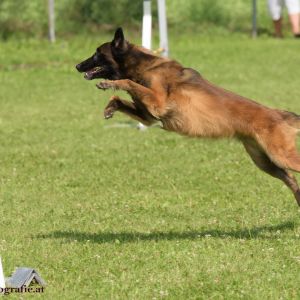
104, 211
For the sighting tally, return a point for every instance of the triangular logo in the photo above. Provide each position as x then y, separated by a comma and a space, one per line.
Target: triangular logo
24, 277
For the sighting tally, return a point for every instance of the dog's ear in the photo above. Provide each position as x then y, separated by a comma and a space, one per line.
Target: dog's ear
119, 43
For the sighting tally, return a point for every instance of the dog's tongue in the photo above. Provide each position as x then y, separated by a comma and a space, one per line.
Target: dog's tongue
89, 74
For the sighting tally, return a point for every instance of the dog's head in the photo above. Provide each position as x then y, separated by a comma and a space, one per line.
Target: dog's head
104, 62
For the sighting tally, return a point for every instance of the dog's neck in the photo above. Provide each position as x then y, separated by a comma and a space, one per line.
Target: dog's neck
134, 62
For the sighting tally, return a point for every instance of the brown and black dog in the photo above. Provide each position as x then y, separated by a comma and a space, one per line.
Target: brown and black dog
163, 90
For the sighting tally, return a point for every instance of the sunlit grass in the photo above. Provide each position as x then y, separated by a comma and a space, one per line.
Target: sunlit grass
108, 212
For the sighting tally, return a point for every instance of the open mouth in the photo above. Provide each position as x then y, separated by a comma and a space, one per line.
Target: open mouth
89, 75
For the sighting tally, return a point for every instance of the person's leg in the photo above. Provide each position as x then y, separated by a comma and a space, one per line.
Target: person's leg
294, 20
278, 28
275, 7
293, 7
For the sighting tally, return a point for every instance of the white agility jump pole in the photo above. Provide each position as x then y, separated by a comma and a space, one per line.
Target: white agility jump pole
51, 21
163, 29
147, 25
162, 24
146, 34
147, 31
2, 279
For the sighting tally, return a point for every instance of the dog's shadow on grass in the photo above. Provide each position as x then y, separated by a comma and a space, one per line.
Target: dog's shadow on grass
262, 232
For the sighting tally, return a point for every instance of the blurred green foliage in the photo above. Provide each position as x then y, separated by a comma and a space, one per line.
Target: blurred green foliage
29, 17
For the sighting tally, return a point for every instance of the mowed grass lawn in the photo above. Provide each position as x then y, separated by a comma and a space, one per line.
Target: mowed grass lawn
104, 211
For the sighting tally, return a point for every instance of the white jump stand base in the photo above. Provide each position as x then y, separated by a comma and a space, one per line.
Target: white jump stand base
141, 127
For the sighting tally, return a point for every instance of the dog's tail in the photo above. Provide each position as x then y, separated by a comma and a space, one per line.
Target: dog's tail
291, 118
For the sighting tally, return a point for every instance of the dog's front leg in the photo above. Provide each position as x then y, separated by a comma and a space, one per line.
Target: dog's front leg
152, 100
128, 108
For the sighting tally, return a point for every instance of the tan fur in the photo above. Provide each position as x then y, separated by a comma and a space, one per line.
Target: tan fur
188, 104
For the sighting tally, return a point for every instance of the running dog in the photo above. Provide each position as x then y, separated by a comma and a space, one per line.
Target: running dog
163, 90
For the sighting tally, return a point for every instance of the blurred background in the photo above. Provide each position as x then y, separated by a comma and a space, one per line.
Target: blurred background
29, 18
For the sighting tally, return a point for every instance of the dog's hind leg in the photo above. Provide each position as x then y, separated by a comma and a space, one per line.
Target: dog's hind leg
288, 159
128, 108
263, 162
281, 149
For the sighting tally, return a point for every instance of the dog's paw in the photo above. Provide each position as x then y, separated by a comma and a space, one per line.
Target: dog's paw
104, 85
112, 107
109, 113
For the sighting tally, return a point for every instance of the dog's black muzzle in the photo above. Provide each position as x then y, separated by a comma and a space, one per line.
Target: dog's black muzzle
86, 65
78, 67
89, 66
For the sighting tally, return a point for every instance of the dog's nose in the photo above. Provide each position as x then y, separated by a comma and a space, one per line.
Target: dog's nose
78, 67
